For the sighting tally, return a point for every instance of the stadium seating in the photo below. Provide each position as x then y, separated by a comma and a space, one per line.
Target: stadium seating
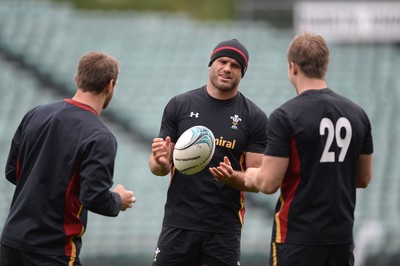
164, 54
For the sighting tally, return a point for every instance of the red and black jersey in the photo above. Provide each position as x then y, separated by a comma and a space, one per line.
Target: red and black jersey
323, 134
61, 161
198, 202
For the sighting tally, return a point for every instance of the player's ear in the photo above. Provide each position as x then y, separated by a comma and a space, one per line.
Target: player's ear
114, 82
110, 86
294, 68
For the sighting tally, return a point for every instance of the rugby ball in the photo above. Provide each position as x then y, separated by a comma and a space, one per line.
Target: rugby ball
194, 150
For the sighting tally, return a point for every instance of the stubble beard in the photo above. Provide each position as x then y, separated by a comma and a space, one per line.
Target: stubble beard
107, 101
223, 86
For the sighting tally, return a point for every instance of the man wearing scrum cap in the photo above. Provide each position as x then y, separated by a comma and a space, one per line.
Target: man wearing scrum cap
203, 217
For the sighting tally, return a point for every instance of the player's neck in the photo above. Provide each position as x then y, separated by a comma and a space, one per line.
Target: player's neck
307, 84
89, 99
221, 94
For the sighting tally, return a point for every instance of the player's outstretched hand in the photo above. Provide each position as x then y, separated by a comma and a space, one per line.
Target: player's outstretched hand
223, 172
127, 198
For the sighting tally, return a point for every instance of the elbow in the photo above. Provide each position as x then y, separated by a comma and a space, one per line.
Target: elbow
269, 189
364, 180
362, 184
269, 185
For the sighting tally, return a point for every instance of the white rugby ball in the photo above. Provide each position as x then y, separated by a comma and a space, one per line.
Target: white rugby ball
194, 150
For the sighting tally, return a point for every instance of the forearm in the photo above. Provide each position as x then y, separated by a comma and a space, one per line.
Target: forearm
258, 181
269, 177
237, 180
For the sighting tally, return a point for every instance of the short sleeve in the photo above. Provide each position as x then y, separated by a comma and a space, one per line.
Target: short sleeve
278, 135
367, 146
169, 121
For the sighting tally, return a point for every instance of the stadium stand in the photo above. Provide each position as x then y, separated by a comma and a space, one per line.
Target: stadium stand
161, 55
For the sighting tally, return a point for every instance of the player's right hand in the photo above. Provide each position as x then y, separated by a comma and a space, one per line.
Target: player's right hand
162, 151
127, 198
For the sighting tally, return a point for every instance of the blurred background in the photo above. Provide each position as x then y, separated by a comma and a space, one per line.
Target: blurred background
163, 47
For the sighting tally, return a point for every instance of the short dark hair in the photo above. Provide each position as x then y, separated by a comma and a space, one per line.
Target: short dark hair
95, 70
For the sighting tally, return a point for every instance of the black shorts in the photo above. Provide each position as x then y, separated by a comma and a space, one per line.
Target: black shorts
322, 255
181, 247
14, 257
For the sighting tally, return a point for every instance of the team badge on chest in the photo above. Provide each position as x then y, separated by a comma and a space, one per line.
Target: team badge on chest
235, 121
